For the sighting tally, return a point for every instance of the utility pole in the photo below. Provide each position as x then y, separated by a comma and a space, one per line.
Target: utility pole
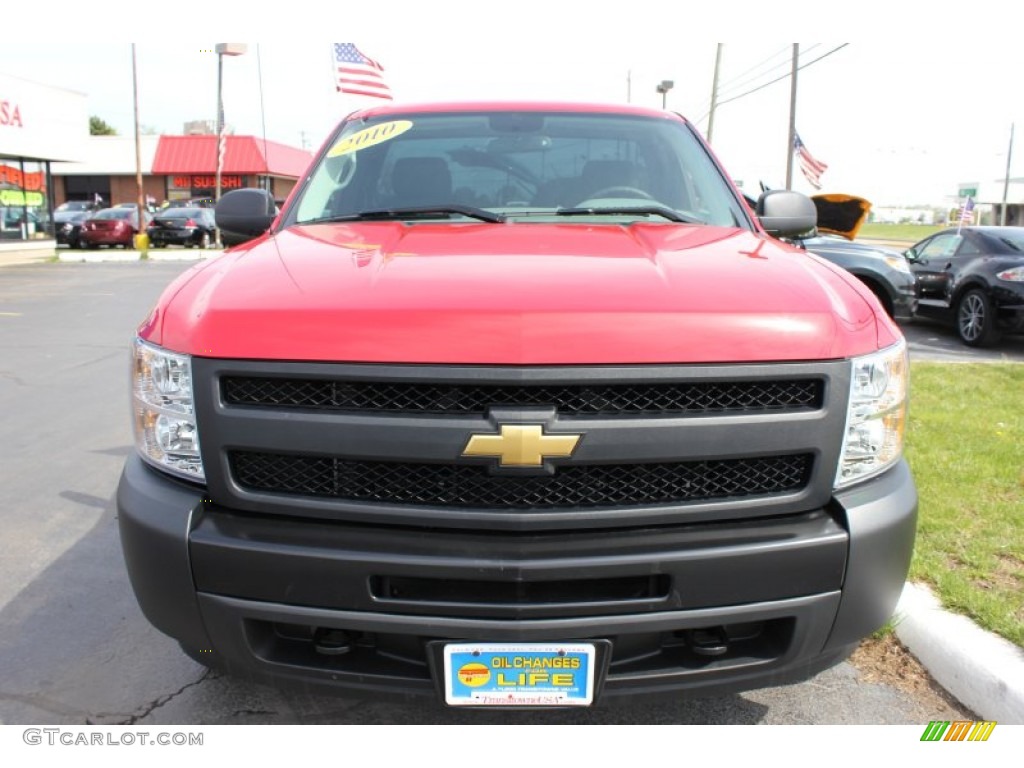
1006, 180
714, 92
141, 237
792, 117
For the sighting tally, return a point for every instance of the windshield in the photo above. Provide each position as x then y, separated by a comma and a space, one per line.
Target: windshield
73, 205
518, 165
181, 213
115, 213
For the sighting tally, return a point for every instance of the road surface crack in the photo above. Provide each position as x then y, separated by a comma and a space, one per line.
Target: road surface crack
154, 705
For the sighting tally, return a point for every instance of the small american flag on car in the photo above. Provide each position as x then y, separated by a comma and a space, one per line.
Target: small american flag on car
357, 73
967, 213
812, 168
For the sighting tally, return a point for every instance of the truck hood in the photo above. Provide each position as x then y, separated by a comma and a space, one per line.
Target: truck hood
517, 293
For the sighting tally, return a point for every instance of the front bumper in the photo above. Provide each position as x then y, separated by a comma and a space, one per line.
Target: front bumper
792, 594
904, 301
174, 236
106, 238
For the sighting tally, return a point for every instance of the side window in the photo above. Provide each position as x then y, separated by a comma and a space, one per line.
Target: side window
967, 248
941, 247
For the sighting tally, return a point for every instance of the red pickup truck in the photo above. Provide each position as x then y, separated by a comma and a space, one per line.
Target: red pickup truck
518, 404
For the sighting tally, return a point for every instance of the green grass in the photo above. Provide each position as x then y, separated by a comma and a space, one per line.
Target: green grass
908, 233
964, 444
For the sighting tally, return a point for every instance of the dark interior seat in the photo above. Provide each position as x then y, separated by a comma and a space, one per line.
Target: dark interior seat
419, 181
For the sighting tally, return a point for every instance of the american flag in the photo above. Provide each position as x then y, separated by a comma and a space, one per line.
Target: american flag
811, 168
357, 73
967, 214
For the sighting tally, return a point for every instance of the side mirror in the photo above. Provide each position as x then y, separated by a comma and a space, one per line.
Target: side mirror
245, 212
783, 213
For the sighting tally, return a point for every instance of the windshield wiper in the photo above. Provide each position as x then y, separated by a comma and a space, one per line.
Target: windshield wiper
639, 210
426, 212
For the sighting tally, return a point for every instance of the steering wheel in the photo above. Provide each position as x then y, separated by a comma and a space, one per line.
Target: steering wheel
618, 192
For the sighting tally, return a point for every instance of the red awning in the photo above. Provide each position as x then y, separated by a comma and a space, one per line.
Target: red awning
243, 155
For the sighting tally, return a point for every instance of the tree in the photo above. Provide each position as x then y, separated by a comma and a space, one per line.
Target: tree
99, 127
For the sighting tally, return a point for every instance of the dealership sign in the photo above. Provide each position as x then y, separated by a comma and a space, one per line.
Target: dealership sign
41, 122
10, 113
15, 178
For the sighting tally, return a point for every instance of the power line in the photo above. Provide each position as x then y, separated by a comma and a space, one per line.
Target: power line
772, 82
731, 85
755, 66
741, 81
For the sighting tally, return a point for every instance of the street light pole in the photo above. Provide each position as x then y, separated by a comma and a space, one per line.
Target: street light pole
663, 88
222, 49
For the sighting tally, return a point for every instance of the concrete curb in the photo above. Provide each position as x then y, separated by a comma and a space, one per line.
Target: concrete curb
983, 671
126, 255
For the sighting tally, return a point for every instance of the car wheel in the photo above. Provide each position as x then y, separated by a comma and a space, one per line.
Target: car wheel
204, 240
976, 319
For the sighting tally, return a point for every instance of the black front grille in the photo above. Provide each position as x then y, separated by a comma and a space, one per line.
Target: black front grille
654, 398
468, 486
415, 589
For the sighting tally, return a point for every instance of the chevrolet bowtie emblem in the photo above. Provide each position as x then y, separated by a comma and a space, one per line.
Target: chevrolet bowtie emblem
521, 445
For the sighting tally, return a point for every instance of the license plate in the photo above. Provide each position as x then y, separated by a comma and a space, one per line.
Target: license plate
519, 674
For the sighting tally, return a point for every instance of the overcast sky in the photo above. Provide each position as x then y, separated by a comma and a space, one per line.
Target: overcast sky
903, 119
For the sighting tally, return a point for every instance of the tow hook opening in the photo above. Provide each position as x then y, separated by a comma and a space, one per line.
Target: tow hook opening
712, 641
332, 642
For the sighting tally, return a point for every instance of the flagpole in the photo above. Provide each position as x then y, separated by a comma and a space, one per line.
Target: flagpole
338, 93
967, 207
1006, 180
792, 117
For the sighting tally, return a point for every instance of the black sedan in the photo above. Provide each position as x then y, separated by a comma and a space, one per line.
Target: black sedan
68, 228
182, 226
972, 277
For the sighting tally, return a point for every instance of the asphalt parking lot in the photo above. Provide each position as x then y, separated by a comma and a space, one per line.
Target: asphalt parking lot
73, 645
929, 340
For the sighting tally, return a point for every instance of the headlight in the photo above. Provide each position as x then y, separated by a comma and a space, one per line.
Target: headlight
899, 263
876, 415
163, 414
